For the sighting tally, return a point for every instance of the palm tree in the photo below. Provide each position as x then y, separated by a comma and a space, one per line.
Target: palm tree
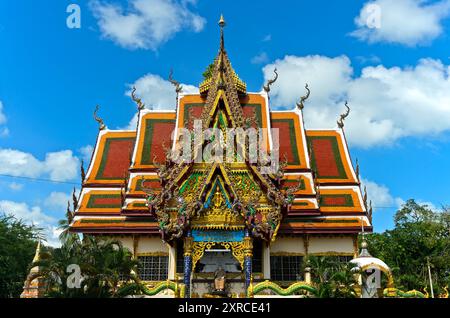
331, 277
64, 227
53, 265
107, 263
104, 265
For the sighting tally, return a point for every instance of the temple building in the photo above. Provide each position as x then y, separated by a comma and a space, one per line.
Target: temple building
190, 221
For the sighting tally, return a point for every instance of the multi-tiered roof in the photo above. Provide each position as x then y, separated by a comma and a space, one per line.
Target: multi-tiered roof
128, 164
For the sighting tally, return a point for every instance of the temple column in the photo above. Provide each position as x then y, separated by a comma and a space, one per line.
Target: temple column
188, 240
266, 261
248, 254
308, 274
172, 262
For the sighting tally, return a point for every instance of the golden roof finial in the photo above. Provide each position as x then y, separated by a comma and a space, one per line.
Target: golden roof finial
222, 22
37, 255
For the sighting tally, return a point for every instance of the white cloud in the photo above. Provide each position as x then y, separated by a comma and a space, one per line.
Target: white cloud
260, 58
156, 93
386, 103
429, 205
408, 22
380, 195
34, 215
59, 166
57, 201
145, 24
371, 59
86, 153
23, 211
15, 186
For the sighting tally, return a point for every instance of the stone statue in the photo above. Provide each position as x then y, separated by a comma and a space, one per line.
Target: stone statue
219, 279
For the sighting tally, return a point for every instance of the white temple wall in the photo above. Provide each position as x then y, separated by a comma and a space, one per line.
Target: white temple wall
151, 245
331, 245
315, 245
288, 245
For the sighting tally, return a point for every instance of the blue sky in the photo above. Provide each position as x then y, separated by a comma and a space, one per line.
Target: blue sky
395, 76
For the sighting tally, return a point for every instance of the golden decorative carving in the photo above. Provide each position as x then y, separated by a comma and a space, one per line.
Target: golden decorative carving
188, 246
219, 219
248, 246
237, 250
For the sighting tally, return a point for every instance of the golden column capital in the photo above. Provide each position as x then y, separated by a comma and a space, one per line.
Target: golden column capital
248, 246
188, 244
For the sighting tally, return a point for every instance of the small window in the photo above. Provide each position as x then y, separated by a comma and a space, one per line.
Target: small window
286, 268
180, 257
257, 257
153, 268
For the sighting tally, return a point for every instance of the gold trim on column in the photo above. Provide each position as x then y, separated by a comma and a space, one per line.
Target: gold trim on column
355, 246
188, 246
248, 246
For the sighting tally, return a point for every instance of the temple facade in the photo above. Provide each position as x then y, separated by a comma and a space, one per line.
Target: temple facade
188, 208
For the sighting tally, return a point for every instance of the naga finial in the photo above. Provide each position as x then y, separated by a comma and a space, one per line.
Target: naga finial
340, 122
98, 119
365, 197
136, 99
357, 169
74, 199
370, 211
68, 212
83, 172
300, 104
271, 81
178, 87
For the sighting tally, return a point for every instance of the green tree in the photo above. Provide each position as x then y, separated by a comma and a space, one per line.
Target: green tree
419, 234
103, 264
18, 242
331, 277
208, 72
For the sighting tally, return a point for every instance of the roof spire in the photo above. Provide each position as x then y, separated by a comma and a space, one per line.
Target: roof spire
364, 252
37, 254
222, 24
